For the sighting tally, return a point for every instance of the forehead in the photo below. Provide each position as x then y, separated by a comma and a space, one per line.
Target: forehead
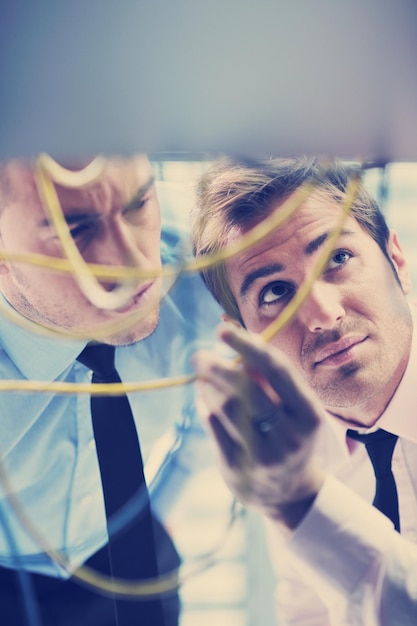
300, 235
117, 183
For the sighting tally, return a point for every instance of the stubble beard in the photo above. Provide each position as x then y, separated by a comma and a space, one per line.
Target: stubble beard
132, 336
342, 391
67, 326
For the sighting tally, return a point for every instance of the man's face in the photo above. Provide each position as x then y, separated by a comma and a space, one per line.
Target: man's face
114, 221
351, 337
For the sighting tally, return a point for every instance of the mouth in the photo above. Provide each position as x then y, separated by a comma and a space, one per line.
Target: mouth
339, 352
136, 299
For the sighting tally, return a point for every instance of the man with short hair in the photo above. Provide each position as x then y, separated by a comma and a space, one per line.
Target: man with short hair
48, 444
288, 416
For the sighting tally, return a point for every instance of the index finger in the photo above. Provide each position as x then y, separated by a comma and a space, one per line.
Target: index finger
278, 370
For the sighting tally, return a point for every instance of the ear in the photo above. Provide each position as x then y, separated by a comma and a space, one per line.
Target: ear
398, 260
231, 320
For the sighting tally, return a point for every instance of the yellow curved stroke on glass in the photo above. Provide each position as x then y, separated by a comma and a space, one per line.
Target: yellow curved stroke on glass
86, 276
48, 171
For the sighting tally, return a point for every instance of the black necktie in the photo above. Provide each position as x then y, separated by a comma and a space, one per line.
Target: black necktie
132, 550
380, 447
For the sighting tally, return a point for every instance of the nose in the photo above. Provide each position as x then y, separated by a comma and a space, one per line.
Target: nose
121, 246
322, 309
118, 246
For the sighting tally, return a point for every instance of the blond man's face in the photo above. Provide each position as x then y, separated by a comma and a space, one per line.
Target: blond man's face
350, 338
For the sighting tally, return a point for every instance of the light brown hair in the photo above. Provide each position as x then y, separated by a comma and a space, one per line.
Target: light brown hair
241, 192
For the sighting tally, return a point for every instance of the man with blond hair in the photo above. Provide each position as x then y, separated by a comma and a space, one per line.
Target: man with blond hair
306, 424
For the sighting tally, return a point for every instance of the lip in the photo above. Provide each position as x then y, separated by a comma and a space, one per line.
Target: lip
339, 351
136, 299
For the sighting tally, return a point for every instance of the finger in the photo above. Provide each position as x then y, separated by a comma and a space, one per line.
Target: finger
229, 391
278, 371
230, 452
245, 406
214, 402
259, 431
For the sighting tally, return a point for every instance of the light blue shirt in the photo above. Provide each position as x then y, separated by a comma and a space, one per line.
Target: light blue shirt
47, 445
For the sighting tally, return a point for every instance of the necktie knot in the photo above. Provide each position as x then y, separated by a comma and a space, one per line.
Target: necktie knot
380, 447
100, 358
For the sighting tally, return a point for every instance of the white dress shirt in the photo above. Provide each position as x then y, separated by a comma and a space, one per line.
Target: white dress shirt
345, 565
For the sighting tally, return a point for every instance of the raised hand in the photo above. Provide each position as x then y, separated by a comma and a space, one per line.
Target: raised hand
264, 420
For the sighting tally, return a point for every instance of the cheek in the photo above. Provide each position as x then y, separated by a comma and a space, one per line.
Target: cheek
150, 221
47, 286
153, 250
148, 242
374, 295
289, 341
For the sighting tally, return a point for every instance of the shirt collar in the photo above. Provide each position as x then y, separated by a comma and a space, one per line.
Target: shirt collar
37, 355
337, 449
42, 356
399, 416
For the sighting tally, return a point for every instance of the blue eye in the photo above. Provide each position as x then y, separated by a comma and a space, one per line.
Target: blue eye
275, 292
339, 258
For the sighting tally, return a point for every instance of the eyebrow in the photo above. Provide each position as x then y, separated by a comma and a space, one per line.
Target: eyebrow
261, 272
275, 268
75, 218
319, 241
143, 189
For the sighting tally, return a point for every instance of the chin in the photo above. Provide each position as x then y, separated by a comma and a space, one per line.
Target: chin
133, 335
